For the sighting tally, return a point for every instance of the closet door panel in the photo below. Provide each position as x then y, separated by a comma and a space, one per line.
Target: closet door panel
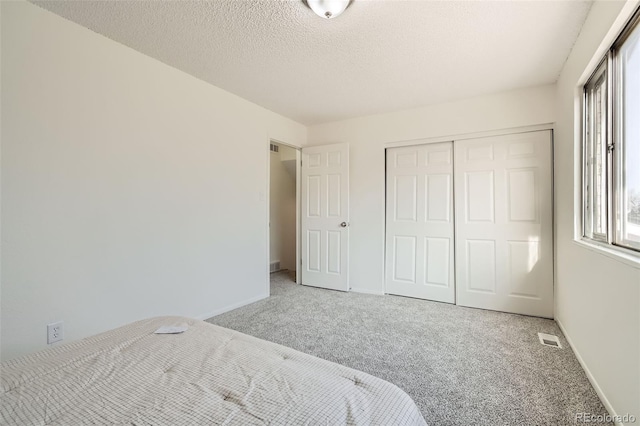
504, 229
419, 222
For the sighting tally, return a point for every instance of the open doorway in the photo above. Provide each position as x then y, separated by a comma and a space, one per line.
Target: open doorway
283, 207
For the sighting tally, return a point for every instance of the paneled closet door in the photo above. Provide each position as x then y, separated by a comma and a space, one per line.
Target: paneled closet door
504, 231
419, 222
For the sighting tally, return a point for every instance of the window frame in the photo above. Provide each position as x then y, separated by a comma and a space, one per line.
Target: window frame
614, 162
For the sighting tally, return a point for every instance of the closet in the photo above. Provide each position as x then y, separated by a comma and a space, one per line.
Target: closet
470, 222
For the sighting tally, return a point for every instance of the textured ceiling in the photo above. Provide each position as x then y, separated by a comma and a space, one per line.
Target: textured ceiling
379, 56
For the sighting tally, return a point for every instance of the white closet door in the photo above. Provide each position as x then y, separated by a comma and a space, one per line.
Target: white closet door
419, 231
325, 216
504, 245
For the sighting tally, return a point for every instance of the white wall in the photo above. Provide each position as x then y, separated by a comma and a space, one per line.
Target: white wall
129, 188
368, 136
597, 297
282, 207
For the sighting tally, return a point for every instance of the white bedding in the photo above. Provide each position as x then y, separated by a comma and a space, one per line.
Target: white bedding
206, 375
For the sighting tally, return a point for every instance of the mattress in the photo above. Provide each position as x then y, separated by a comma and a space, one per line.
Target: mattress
205, 375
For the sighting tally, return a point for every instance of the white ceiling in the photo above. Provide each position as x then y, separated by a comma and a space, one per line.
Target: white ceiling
379, 56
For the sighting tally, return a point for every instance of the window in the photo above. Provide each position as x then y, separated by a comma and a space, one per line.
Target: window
611, 145
595, 155
628, 139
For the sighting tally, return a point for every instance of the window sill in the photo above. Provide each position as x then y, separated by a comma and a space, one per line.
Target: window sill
616, 253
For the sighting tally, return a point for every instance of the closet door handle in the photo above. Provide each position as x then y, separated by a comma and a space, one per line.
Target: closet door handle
344, 224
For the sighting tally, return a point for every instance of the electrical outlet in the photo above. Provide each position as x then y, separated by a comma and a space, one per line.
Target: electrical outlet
55, 332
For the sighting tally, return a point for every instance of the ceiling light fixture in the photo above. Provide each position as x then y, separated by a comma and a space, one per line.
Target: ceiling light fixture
328, 8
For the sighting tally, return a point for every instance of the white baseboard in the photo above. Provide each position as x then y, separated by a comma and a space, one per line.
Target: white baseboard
592, 379
232, 307
366, 291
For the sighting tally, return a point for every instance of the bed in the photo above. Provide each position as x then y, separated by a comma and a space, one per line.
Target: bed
205, 375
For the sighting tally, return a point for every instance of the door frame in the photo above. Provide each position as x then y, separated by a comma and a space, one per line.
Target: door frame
298, 150
473, 135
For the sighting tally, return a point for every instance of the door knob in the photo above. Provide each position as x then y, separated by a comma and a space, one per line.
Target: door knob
344, 224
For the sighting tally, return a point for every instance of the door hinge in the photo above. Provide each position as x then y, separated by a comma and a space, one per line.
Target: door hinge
610, 147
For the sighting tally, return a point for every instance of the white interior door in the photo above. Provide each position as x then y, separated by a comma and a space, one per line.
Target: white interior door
325, 216
419, 229
504, 246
